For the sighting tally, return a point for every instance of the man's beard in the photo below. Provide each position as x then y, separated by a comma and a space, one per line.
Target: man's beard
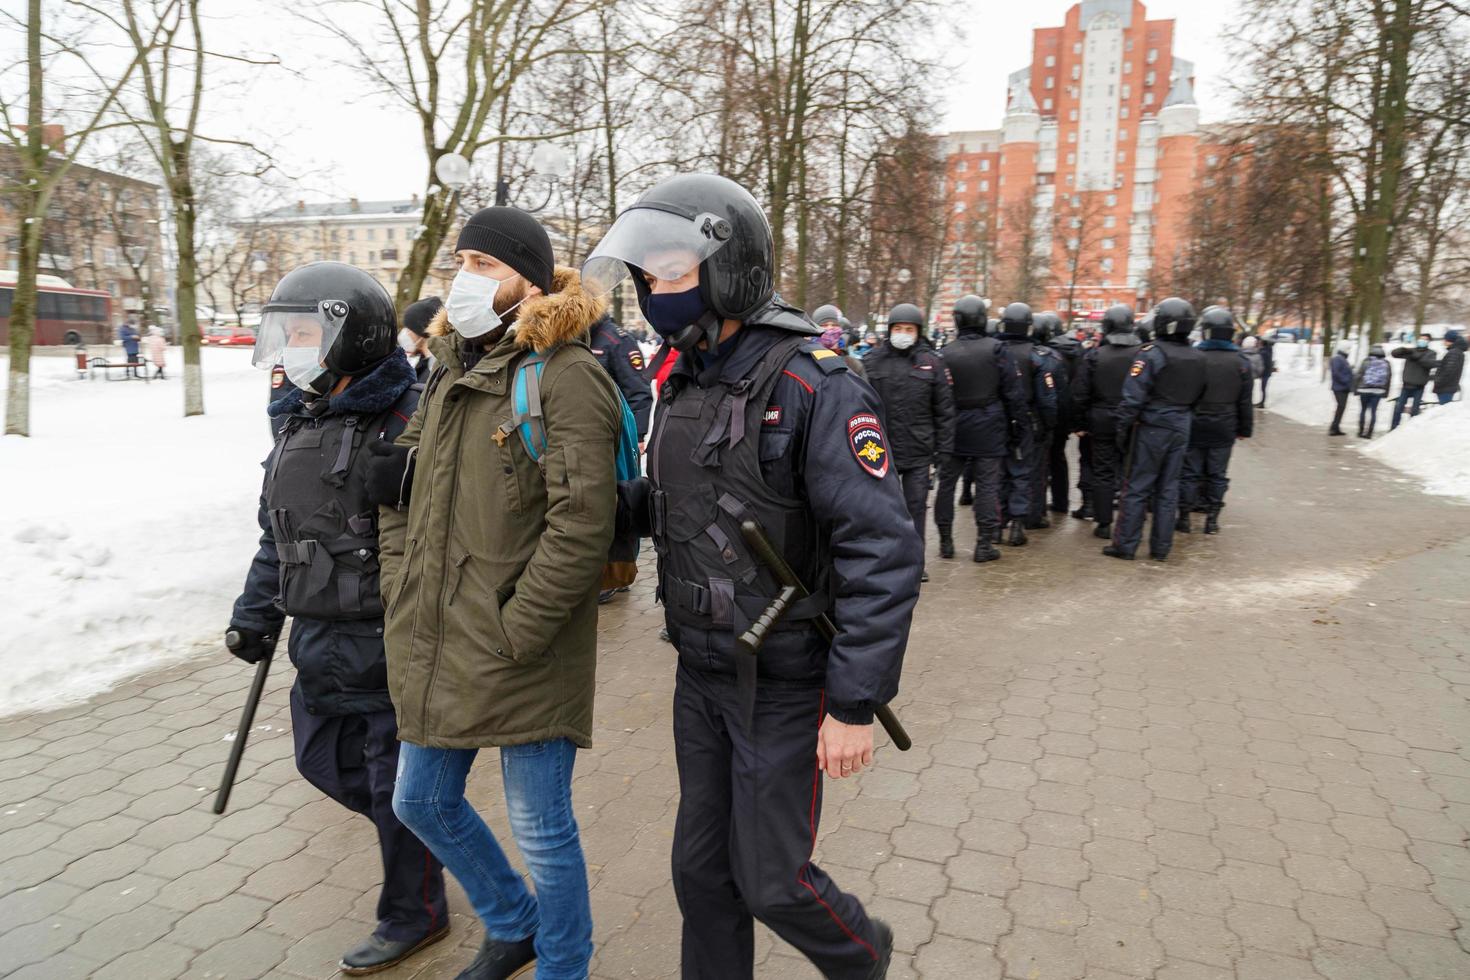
509, 294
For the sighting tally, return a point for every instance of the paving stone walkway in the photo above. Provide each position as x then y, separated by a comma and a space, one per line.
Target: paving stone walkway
1251, 762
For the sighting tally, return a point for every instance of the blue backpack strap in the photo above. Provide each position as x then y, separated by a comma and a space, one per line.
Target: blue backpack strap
526, 404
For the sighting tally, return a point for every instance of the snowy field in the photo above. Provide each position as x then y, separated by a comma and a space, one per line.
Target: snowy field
1434, 448
130, 528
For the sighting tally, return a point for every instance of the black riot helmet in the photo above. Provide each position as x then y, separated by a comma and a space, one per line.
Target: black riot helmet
1118, 319
826, 313
1047, 326
1218, 323
684, 222
906, 313
325, 321
1017, 319
969, 314
1173, 319
992, 326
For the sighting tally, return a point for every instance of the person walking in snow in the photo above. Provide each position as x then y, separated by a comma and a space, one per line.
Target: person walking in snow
1451, 366
157, 349
1370, 384
1342, 386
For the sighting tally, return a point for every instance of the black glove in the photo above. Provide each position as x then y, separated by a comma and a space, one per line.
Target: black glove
635, 511
249, 645
390, 473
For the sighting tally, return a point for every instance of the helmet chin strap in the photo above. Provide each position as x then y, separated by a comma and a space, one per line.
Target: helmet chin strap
706, 328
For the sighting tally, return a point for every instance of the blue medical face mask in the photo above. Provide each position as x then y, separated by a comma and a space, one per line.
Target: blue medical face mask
1421, 343
668, 313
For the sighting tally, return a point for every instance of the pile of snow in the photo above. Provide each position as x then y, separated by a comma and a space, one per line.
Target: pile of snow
128, 528
1434, 447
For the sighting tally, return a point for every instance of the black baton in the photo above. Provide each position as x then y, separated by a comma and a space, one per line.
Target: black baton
793, 591
247, 718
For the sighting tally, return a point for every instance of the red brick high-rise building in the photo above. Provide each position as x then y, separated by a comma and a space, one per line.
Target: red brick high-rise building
1083, 194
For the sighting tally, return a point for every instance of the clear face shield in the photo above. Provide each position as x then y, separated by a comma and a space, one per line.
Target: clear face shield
663, 244
298, 337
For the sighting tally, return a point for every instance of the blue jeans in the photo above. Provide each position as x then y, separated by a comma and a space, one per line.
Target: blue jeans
1407, 394
1445, 397
429, 799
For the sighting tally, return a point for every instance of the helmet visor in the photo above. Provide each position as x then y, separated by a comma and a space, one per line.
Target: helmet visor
662, 244
297, 326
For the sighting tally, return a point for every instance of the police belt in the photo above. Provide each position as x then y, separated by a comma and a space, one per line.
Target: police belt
715, 605
970, 404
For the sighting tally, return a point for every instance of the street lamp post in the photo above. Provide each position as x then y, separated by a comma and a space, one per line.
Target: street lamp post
548, 161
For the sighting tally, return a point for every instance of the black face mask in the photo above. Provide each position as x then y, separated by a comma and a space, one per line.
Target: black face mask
668, 313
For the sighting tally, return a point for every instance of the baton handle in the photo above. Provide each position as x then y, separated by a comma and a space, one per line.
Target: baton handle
751, 640
756, 538
247, 718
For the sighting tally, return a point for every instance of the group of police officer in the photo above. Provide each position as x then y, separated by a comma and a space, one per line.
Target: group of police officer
1155, 417
785, 499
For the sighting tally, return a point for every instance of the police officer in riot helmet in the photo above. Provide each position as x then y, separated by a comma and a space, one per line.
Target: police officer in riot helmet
760, 425
1097, 390
1165, 382
1022, 478
332, 329
1222, 416
911, 379
1068, 352
991, 405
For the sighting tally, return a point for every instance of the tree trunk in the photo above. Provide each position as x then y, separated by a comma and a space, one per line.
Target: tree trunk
32, 215
187, 281
437, 217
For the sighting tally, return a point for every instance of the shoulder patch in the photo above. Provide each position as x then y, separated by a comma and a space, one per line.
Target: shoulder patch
1146, 347
825, 359
278, 376
635, 358
865, 436
1136, 369
1050, 383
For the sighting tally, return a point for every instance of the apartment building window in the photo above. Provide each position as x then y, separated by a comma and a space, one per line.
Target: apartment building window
1127, 91
1123, 112
962, 166
109, 256
1149, 78
1110, 221
1122, 156
1211, 160
1076, 72
984, 166
1122, 136
1107, 244
372, 258
1153, 55
372, 234
1051, 61
1106, 265
1076, 222
959, 207
1072, 244
388, 234
984, 186
1077, 47
352, 234
1071, 159
335, 233
352, 258
1112, 200
1072, 136
959, 187
1069, 180
1148, 98
1051, 81
1072, 115
1128, 65
1046, 105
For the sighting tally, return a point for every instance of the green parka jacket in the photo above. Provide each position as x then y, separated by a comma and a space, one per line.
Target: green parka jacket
490, 575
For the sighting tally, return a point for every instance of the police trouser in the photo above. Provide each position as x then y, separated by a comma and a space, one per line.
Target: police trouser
916, 495
1204, 478
985, 470
354, 760
1015, 487
1157, 461
1057, 469
967, 477
1040, 467
750, 798
1105, 463
1084, 465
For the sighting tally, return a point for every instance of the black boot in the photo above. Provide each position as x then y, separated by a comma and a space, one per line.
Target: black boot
946, 543
883, 946
985, 551
1083, 513
1017, 534
501, 961
1103, 531
377, 953
1113, 551
1212, 521
1181, 526
966, 497
1038, 524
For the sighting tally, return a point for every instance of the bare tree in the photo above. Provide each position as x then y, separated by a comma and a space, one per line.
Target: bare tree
44, 158
1078, 233
1023, 251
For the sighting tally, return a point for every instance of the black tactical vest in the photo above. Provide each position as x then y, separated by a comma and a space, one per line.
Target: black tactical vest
1223, 381
1021, 352
971, 363
705, 463
1111, 371
1182, 380
326, 529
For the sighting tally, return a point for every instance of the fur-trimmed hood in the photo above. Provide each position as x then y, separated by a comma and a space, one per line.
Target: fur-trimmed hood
542, 322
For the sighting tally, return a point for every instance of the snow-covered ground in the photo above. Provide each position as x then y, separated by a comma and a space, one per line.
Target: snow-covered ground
1434, 448
127, 529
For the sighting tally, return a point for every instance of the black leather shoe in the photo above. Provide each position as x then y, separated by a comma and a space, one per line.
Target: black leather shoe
1212, 522
378, 953
501, 961
1038, 524
1181, 526
1104, 531
946, 543
985, 551
1156, 556
1113, 551
966, 498
1017, 534
1083, 513
883, 946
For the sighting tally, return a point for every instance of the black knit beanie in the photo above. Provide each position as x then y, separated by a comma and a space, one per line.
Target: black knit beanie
515, 238
416, 316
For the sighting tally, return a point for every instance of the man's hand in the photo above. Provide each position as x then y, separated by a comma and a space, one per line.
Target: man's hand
844, 750
249, 645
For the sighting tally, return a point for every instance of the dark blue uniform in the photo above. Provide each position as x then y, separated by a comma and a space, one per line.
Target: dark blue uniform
622, 358
342, 721
1223, 415
1068, 353
1164, 383
991, 409
777, 429
1024, 480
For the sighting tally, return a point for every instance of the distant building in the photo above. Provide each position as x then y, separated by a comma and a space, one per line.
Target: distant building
1100, 148
102, 232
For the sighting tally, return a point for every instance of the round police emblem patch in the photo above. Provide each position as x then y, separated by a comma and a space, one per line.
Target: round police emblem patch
865, 436
635, 358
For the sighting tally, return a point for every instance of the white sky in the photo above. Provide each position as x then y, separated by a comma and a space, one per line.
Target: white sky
336, 141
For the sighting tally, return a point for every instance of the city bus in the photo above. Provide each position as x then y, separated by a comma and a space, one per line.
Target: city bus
64, 314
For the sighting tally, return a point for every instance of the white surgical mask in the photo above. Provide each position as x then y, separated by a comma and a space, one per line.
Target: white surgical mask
408, 340
303, 365
902, 341
471, 304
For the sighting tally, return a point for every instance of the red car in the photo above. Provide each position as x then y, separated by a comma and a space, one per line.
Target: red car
228, 336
